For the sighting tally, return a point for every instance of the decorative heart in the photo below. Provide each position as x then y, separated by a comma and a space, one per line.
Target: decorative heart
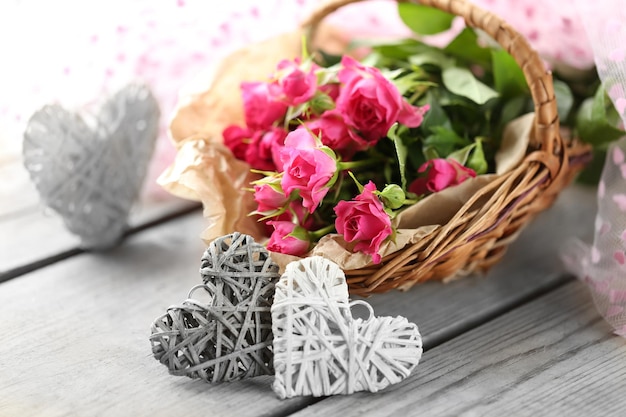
90, 170
230, 337
320, 349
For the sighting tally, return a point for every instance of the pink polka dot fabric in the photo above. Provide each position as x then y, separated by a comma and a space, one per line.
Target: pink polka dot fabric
553, 27
603, 264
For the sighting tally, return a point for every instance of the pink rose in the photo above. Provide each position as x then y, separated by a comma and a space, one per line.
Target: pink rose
296, 213
306, 168
412, 116
269, 197
332, 89
363, 220
371, 103
264, 147
334, 133
284, 240
297, 86
262, 105
236, 138
301, 139
442, 173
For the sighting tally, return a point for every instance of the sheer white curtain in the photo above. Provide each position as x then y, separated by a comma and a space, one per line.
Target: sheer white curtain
602, 265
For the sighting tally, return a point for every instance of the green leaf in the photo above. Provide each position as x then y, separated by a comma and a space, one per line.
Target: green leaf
512, 109
462, 82
400, 50
328, 75
410, 82
448, 99
435, 116
358, 184
300, 233
431, 57
443, 142
391, 74
462, 154
592, 121
401, 152
466, 47
564, 99
477, 160
294, 113
508, 76
415, 158
321, 102
327, 150
424, 20
591, 174
430, 153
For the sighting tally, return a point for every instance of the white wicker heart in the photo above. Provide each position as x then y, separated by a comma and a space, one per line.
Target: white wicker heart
320, 349
90, 170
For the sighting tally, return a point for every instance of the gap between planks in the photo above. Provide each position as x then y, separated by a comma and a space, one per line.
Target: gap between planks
143, 224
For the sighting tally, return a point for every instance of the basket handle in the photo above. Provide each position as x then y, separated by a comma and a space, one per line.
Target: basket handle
546, 126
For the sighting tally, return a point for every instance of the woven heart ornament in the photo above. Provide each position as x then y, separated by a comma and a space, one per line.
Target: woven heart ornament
230, 336
90, 169
320, 349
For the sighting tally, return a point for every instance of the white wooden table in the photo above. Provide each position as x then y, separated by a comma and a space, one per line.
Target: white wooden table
525, 340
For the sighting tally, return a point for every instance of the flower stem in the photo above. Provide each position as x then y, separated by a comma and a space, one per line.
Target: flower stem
342, 166
318, 234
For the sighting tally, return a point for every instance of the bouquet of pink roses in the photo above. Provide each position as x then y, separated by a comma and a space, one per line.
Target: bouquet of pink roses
418, 162
314, 134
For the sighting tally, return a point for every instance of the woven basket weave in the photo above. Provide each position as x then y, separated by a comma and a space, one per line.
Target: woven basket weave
477, 236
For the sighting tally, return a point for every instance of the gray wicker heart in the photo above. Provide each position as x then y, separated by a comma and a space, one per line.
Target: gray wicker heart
320, 349
90, 170
230, 337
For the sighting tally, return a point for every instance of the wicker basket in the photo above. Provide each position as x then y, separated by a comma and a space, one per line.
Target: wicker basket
477, 236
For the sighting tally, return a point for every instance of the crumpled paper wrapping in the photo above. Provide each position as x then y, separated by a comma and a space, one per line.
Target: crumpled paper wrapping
205, 169
515, 140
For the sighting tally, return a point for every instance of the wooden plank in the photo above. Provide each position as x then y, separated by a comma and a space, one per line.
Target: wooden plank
79, 328
552, 357
39, 234
17, 193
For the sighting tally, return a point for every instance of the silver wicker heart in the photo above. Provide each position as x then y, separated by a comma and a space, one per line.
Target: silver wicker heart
320, 349
90, 169
230, 336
